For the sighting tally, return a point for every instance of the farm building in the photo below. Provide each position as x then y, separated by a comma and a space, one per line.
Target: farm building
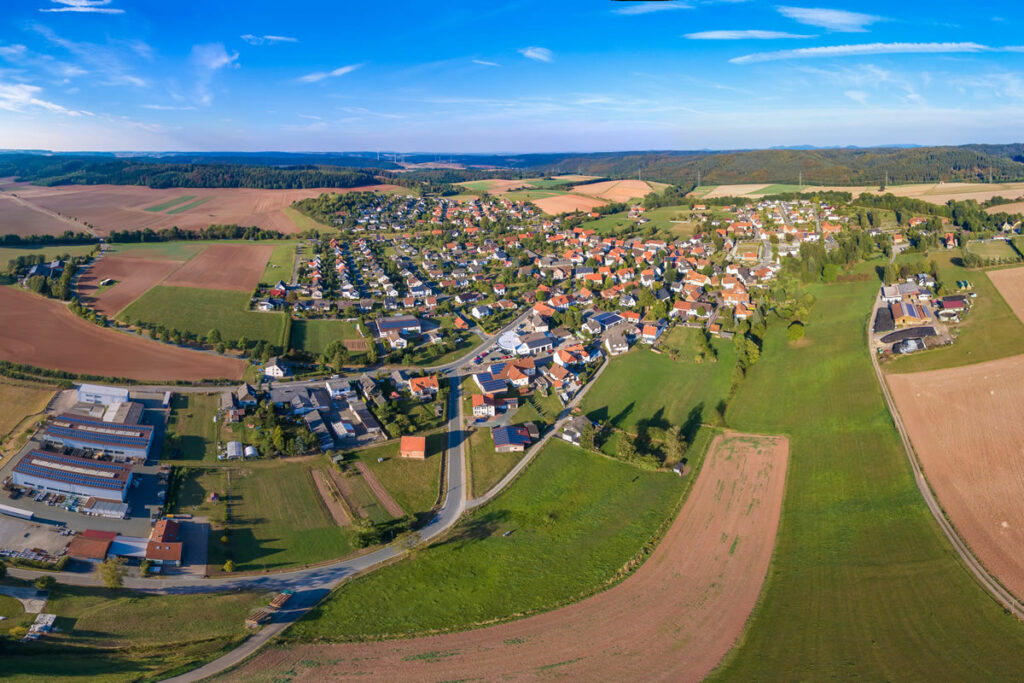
413, 447
74, 475
91, 545
95, 393
904, 314
512, 439
123, 439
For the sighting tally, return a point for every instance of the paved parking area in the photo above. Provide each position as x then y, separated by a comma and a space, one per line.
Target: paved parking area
18, 534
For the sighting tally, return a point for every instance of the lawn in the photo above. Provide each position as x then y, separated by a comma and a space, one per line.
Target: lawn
192, 422
627, 394
280, 265
277, 517
427, 355
201, 310
163, 206
880, 594
127, 636
993, 249
486, 468
313, 336
414, 484
575, 519
991, 330
18, 400
190, 205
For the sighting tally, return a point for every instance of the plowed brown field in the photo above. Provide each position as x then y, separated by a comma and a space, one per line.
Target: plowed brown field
123, 207
673, 620
19, 218
133, 276
967, 427
44, 333
224, 266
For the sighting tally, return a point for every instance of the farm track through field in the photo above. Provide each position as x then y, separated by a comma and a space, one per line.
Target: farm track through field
1010, 602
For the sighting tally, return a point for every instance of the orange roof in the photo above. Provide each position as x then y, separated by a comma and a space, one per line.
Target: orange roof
413, 443
428, 382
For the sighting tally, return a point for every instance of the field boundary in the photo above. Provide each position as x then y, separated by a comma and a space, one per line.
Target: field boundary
991, 585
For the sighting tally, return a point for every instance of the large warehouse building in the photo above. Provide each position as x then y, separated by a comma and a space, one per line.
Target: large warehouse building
95, 393
120, 438
74, 475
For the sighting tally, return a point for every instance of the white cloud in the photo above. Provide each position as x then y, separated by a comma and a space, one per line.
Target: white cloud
832, 19
321, 75
19, 97
537, 54
751, 34
485, 63
858, 96
91, 6
859, 50
260, 40
208, 59
647, 6
166, 107
12, 51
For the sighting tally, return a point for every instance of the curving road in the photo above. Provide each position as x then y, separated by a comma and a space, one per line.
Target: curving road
1007, 599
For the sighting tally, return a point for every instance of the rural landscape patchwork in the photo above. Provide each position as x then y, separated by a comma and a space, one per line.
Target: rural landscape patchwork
674, 356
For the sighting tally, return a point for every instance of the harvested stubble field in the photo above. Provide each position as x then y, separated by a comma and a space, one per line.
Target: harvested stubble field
567, 203
133, 277
966, 425
235, 267
674, 619
615, 190
1010, 283
44, 333
19, 218
131, 207
936, 193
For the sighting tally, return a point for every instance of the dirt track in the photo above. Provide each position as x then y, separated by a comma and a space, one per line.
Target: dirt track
674, 619
967, 427
224, 266
386, 501
133, 276
44, 333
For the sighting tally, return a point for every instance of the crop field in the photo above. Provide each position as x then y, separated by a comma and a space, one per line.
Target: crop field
314, 336
991, 330
556, 204
627, 395
278, 519
132, 277
616, 190
685, 607
994, 248
575, 519
44, 333
17, 217
966, 427
280, 264
201, 310
132, 207
163, 206
158, 251
936, 193
857, 549
123, 635
236, 267
18, 400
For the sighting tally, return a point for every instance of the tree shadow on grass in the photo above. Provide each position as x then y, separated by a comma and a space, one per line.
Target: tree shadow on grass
477, 528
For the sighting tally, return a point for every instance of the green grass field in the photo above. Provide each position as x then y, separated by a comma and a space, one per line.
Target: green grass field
313, 336
7, 254
304, 222
277, 517
881, 594
280, 265
627, 393
19, 400
576, 518
991, 330
201, 310
173, 251
486, 467
190, 205
156, 208
779, 188
414, 484
192, 422
127, 636
530, 195
993, 249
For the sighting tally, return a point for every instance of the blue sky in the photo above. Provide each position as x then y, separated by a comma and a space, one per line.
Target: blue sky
514, 76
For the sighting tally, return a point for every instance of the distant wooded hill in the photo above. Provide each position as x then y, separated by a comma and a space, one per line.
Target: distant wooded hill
969, 163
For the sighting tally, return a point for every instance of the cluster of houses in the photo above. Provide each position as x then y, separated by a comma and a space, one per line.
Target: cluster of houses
909, 309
